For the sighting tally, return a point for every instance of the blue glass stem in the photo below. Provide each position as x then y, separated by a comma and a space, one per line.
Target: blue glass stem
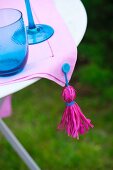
36, 33
31, 22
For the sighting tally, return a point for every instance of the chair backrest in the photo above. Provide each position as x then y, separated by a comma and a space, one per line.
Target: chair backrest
5, 107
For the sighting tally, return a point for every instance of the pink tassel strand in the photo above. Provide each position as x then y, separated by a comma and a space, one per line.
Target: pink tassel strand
73, 120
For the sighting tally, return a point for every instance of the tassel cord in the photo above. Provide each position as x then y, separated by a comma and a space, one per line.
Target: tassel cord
76, 123
77, 116
66, 80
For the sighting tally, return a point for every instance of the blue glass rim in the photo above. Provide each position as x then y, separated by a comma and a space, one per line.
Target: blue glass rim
12, 9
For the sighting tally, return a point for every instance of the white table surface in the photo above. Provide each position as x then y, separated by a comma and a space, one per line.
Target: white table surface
74, 15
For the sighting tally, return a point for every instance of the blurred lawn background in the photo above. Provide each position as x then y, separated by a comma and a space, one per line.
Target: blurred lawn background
38, 108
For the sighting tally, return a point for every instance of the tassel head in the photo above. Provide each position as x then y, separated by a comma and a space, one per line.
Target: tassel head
68, 94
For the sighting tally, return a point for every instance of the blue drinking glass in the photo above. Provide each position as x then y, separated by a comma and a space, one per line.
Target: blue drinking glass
37, 33
13, 42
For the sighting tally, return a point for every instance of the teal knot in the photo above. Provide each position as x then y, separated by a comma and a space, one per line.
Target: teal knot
70, 104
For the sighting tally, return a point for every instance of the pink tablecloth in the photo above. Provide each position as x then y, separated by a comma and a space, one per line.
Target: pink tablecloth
40, 62
61, 45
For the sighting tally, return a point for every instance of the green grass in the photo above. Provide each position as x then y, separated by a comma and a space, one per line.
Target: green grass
37, 111
38, 108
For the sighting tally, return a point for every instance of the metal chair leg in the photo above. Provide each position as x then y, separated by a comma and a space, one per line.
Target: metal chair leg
16, 145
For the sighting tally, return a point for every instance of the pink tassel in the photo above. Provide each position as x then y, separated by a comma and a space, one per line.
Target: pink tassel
73, 120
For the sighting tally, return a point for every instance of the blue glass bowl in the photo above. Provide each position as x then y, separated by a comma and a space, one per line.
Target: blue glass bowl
13, 42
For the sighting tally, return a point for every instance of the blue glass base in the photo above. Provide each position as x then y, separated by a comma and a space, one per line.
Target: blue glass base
39, 34
14, 71
11, 73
